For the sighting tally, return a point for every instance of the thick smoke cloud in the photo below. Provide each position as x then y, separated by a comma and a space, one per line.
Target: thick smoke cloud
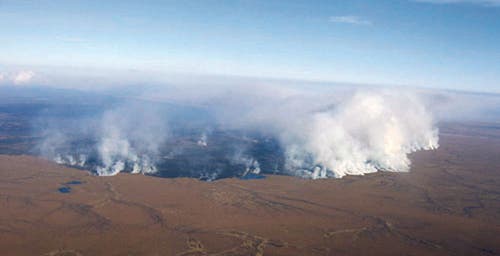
334, 134
230, 131
361, 134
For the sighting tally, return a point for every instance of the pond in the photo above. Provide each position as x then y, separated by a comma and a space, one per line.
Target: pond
64, 190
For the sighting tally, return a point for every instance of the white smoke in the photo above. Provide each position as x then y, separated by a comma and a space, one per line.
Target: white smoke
202, 142
67, 159
327, 133
337, 133
129, 139
321, 133
124, 138
250, 163
367, 132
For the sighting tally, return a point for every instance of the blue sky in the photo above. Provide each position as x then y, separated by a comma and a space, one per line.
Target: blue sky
453, 44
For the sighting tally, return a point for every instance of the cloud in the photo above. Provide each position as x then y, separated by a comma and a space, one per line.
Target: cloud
350, 19
477, 2
23, 77
17, 78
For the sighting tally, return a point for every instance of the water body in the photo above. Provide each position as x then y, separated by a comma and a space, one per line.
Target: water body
64, 190
67, 189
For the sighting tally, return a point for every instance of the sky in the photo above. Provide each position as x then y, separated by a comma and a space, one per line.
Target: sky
445, 44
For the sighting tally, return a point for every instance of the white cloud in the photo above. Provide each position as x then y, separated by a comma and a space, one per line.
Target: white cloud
350, 19
478, 2
17, 78
23, 77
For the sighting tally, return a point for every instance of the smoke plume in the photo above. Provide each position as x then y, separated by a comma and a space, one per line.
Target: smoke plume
273, 129
130, 138
361, 134
122, 138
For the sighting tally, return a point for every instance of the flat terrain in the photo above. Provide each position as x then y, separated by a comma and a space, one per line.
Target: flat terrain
449, 204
